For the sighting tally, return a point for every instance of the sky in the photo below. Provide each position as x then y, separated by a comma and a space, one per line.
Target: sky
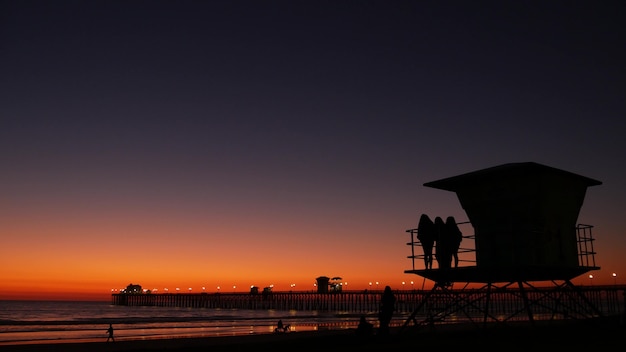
189, 144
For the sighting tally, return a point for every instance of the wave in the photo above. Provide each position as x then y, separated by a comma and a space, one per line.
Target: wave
39, 322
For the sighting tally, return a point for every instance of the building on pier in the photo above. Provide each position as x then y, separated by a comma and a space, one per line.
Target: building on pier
326, 284
524, 220
133, 289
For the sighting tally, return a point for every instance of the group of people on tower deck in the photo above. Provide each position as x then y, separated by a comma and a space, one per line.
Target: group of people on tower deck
444, 237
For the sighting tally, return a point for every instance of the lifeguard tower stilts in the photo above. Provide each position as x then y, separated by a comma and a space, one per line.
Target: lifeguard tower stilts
524, 218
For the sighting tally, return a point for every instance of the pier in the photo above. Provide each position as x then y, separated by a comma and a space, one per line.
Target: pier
501, 304
361, 302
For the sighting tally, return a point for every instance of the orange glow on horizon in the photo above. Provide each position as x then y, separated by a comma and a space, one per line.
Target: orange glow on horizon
80, 267
102, 290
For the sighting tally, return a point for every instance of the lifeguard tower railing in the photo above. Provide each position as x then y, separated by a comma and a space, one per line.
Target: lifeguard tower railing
584, 240
466, 250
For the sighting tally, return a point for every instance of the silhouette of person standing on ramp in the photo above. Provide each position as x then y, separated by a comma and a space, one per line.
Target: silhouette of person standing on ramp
442, 246
453, 238
426, 235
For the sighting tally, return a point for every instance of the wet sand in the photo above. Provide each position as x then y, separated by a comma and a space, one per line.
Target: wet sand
596, 334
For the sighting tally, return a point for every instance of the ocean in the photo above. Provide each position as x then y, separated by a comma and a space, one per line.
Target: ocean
33, 322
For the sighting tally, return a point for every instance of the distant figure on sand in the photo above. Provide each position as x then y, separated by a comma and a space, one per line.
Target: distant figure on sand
110, 332
280, 327
442, 248
453, 236
365, 328
426, 235
387, 307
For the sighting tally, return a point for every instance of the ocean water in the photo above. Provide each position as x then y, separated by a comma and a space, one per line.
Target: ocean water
32, 322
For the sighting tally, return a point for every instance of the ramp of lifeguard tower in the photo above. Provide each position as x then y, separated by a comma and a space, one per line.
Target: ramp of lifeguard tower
481, 275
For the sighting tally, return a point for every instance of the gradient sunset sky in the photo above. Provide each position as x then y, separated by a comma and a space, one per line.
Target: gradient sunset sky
237, 143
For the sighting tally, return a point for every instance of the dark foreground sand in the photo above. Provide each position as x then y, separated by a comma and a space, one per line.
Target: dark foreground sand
597, 334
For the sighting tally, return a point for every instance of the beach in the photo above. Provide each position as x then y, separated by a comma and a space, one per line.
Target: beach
596, 333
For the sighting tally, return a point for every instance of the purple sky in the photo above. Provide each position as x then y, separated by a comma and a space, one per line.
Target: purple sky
327, 116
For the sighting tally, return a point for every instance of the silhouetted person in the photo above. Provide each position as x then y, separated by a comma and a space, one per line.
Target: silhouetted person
280, 327
110, 332
365, 328
387, 307
426, 235
442, 248
454, 236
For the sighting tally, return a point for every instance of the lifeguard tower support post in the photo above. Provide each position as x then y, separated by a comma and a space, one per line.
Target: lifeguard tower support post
524, 217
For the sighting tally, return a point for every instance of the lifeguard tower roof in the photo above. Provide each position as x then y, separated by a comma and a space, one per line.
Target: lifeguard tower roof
524, 217
511, 170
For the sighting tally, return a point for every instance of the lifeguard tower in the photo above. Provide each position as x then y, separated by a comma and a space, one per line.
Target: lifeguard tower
524, 219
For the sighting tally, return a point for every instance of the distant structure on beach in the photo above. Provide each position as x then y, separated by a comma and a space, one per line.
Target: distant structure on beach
524, 219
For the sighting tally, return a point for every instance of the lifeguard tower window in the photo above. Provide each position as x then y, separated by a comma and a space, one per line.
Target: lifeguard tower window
524, 218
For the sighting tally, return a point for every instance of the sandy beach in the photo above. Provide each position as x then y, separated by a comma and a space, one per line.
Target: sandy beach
606, 333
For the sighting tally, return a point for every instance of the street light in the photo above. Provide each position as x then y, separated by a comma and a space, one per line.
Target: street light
614, 279
591, 279
370, 285
412, 287
402, 285
377, 285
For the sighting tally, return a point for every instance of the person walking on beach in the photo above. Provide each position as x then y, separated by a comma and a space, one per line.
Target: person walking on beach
387, 307
110, 332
